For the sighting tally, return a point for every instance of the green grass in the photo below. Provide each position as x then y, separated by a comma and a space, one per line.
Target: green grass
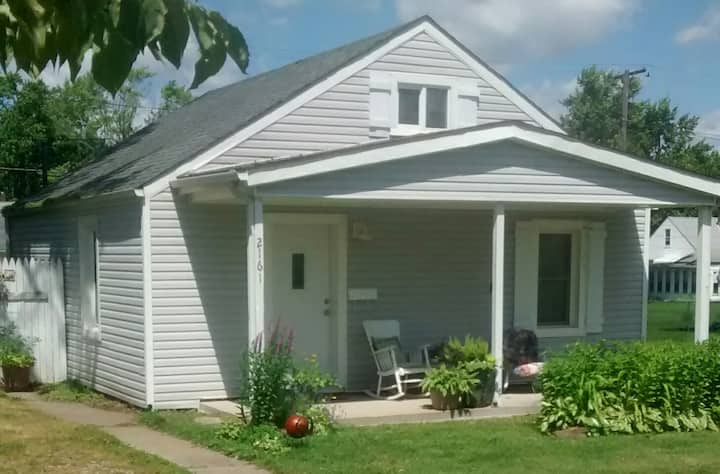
32, 442
72, 391
673, 320
497, 446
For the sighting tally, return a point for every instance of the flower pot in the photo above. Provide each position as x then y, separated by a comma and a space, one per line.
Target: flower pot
16, 379
483, 395
442, 402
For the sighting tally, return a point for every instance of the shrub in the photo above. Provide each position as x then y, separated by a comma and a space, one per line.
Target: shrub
262, 437
265, 379
632, 388
15, 350
273, 385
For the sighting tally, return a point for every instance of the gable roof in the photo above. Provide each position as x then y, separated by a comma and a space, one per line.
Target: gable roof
178, 137
687, 226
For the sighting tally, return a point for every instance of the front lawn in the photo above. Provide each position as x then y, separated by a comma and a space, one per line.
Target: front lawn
673, 320
31, 442
497, 446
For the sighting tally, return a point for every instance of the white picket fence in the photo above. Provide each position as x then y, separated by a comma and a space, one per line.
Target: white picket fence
32, 296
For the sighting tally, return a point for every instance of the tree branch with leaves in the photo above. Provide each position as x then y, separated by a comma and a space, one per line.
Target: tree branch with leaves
37, 33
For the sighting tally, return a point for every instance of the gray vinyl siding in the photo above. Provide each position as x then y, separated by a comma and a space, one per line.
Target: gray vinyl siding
115, 365
431, 270
500, 172
339, 117
199, 300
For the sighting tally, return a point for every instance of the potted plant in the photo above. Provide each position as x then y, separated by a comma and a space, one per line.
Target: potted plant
451, 388
474, 355
16, 359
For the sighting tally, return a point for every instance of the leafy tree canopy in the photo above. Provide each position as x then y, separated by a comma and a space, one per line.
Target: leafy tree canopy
48, 131
656, 130
35, 33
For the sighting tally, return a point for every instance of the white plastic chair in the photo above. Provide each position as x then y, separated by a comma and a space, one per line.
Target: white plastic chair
384, 339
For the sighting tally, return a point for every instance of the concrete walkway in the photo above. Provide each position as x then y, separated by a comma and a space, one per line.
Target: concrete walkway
125, 428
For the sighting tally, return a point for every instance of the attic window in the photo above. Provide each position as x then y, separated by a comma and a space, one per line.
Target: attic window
667, 237
423, 107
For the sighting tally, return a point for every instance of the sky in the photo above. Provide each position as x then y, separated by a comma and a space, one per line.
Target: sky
539, 45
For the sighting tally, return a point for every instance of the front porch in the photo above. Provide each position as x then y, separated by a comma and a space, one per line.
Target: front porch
359, 410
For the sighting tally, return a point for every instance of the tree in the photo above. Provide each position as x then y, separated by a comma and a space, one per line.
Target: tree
35, 33
119, 117
172, 96
656, 129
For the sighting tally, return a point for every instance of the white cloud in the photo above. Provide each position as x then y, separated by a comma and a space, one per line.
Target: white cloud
548, 94
709, 127
706, 28
282, 3
505, 32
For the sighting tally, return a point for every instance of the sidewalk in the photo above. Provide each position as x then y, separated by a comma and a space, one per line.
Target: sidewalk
124, 427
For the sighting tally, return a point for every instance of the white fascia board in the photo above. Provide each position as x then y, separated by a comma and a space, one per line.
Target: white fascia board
621, 161
299, 100
377, 155
559, 143
494, 80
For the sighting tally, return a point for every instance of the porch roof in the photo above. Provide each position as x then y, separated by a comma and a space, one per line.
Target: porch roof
269, 171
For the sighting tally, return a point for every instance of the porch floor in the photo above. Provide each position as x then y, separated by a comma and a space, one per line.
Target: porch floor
361, 410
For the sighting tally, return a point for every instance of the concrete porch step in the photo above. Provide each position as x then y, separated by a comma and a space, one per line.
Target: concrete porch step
223, 408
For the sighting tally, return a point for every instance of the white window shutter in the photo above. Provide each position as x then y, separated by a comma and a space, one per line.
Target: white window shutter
593, 266
526, 275
381, 112
467, 105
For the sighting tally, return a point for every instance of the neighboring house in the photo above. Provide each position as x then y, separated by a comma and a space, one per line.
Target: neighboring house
397, 177
673, 260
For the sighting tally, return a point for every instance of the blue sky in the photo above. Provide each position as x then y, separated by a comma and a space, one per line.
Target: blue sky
540, 45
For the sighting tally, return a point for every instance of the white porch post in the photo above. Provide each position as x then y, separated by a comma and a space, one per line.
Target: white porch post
703, 287
497, 305
255, 268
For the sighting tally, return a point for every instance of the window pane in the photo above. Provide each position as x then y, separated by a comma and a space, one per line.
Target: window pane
554, 279
409, 108
436, 100
298, 271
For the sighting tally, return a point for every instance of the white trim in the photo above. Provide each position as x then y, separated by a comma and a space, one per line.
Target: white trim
255, 268
487, 75
526, 276
495, 80
346, 159
146, 235
497, 304
646, 273
703, 286
339, 225
87, 225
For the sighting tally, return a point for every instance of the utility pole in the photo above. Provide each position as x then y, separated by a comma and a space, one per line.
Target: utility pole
625, 76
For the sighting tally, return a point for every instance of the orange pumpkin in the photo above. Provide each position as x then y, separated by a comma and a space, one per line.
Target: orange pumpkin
298, 426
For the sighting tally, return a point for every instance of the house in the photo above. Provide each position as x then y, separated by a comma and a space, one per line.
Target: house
673, 247
396, 177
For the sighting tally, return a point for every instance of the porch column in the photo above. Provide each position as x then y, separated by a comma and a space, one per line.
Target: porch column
497, 305
255, 268
703, 287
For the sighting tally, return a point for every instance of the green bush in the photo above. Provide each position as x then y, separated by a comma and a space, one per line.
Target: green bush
273, 385
262, 437
632, 388
456, 351
460, 380
15, 350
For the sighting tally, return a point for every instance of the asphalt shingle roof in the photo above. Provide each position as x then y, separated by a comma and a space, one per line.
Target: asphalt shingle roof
180, 136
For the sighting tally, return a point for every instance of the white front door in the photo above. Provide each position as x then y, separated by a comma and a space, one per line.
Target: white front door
299, 288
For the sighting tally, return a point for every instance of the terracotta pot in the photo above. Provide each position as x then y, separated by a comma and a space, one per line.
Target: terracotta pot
441, 402
16, 379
